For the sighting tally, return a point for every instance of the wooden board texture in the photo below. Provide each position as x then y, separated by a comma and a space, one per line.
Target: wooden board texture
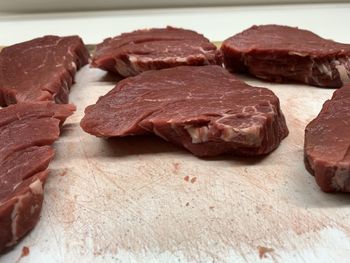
141, 199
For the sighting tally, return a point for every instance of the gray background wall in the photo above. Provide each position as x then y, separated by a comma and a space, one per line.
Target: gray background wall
85, 5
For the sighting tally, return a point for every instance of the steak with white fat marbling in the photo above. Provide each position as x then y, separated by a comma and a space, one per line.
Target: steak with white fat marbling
327, 143
132, 53
204, 109
40, 69
282, 54
26, 131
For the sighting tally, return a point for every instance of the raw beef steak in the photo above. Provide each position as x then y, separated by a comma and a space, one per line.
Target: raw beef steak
132, 53
40, 69
282, 53
26, 131
204, 109
327, 143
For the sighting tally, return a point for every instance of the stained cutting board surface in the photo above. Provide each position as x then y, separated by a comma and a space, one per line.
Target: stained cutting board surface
141, 199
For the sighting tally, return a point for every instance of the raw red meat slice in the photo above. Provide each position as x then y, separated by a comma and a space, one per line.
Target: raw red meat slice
26, 131
204, 109
132, 53
281, 54
327, 143
40, 69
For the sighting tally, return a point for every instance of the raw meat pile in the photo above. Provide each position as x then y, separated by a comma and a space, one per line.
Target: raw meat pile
281, 53
40, 69
177, 91
204, 109
327, 143
33, 74
26, 131
132, 53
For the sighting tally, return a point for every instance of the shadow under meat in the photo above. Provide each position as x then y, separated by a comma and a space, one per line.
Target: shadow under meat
308, 195
244, 160
149, 144
135, 145
111, 77
68, 128
311, 196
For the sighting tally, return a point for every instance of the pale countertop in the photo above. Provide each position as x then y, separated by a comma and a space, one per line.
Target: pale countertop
327, 20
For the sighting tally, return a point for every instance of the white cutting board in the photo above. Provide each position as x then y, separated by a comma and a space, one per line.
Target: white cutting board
141, 199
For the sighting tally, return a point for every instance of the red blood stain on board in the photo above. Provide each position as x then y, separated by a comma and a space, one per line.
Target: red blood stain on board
264, 250
25, 251
192, 180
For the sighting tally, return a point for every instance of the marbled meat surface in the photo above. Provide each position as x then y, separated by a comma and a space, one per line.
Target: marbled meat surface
283, 54
40, 69
327, 143
204, 109
26, 131
132, 53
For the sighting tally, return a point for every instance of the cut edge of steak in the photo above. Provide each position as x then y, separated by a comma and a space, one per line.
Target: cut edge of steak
20, 213
284, 54
327, 144
40, 69
130, 54
26, 132
203, 109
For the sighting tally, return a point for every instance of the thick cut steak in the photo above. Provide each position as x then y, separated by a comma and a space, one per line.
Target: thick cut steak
204, 109
327, 143
40, 69
132, 53
281, 53
26, 131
